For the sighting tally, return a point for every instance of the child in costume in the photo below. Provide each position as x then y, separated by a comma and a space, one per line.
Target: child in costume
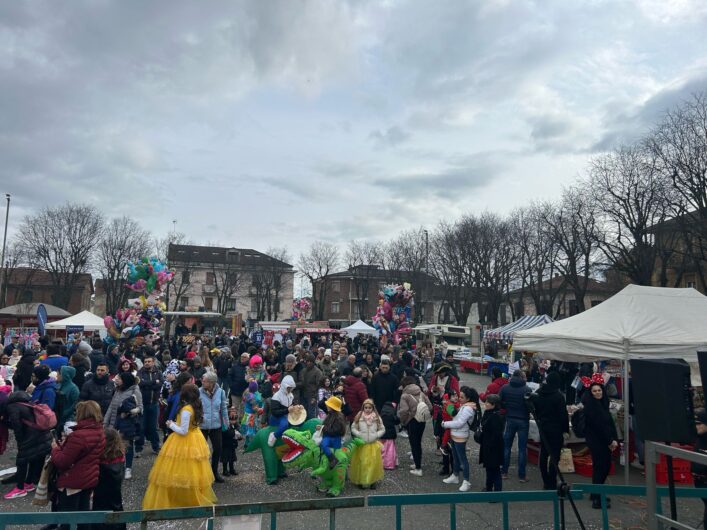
253, 409
450, 407
229, 443
325, 392
389, 415
280, 405
182, 475
255, 370
332, 431
108, 494
367, 462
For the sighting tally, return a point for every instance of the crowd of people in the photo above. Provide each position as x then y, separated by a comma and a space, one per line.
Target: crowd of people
195, 402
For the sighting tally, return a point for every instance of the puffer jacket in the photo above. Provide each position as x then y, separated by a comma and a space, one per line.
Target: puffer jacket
98, 389
513, 397
45, 393
215, 408
31, 443
408, 403
77, 459
111, 417
459, 425
355, 393
69, 395
368, 433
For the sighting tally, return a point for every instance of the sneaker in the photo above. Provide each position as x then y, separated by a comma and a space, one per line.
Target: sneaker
30, 488
128, 473
403, 434
272, 439
16, 493
466, 486
451, 479
416, 472
413, 466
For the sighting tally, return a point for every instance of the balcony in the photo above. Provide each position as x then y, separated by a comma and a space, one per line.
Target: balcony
208, 289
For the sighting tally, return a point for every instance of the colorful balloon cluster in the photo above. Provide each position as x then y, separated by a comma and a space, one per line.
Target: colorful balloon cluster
392, 316
142, 319
301, 308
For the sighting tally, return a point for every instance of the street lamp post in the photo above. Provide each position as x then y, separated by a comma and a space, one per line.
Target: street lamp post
2, 259
427, 272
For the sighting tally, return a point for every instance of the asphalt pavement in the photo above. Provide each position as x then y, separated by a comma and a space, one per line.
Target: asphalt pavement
249, 487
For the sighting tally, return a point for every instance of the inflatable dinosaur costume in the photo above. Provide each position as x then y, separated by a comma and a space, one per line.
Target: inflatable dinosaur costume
274, 470
304, 453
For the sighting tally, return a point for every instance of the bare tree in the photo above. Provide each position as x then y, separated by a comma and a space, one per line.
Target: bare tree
316, 264
226, 282
123, 240
63, 241
268, 284
364, 259
18, 273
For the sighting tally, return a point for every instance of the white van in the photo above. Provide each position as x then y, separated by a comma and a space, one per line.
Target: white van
458, 338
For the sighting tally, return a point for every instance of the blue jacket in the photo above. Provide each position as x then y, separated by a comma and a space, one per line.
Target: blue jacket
215, 408
55, 362
513, 398
45, 392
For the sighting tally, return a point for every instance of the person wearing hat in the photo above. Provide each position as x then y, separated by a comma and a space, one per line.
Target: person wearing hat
253, 409
281, 404
442, 383
367, 461
491, 442
699, 471
333, 430
43, 386
327, 366
123, 414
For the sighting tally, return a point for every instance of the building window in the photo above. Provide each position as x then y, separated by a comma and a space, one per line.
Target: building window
184, 301
208, 303
186, 277
209, 278
26, 297
253, 305
336, 286
335, 307
231, 304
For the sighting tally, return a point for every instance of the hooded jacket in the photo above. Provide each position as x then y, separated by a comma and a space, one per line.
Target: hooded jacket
237, 376
31, 443
45, 392
281, 401
23, 371
550, 408
494, 387
69, 394
408, 403
600, 429
513, 398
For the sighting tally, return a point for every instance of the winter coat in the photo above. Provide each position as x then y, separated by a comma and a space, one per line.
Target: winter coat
513, 398
384, 387
390, 421
31, 443
45, 392
237, 377
80, 377
310, 378
459, 425
128, 421
551, 410
69, 395
23, 371
355, 394
76, 460
111, 417
412, 394
451, 386
108, 496
55, 362
600, 429
327, 367
98, 389
215, 408
494, 387
223, 364
150, 385
491, 450
368, 433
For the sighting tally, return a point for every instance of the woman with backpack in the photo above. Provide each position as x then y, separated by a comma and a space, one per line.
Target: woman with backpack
461, 426
33, 444
412, 415
124, 414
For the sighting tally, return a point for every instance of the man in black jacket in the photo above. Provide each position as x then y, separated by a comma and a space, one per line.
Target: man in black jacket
238, 383
553, 423
517, 422
23, 370
150, 385
384, 386
98, 387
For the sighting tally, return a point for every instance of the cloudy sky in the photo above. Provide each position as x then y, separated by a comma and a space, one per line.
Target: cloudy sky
273, 123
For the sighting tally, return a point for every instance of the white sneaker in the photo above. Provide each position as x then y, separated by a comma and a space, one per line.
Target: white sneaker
413, 466
466, 486
451, 479
416, 472
128, 473
272, 439
403, 434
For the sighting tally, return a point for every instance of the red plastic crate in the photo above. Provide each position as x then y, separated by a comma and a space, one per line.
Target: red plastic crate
681, 468
585, 468
533, 452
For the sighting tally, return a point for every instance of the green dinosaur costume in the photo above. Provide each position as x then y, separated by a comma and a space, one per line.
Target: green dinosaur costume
274, 469
304, 453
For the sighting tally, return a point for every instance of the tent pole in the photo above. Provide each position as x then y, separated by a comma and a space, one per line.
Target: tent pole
625, 391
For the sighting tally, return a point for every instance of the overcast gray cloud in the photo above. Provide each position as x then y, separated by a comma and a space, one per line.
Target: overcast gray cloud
261, 124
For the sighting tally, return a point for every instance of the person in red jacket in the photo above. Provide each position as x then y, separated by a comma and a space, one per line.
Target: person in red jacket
497, 382
77, 460
355, 392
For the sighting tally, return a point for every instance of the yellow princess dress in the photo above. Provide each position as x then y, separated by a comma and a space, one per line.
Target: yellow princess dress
181, 476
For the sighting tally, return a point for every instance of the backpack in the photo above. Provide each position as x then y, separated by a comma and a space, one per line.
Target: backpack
579, 423
475, 426
44, 417
422, 412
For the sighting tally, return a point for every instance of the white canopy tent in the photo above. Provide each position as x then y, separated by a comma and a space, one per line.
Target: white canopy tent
88, 320
636, 323
360, 327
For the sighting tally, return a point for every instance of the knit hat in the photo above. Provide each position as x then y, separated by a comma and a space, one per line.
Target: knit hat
334, 403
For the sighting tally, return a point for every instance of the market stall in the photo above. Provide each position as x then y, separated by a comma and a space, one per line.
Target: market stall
507, 333
637, 323
85, 320
359, 327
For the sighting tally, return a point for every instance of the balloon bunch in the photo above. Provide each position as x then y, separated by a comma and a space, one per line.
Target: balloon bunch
141, 320
301, 308
393, 312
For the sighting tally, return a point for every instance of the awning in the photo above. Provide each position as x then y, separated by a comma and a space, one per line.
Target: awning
509, 330
317, 330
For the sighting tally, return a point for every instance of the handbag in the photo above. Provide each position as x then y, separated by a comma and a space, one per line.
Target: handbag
566, 464
46, 484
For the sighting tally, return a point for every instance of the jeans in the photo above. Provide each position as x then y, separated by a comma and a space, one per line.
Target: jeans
493, 479
312, 408
415, 432
29, 471
150, 416
329, 443
215, 436
460, 462
281, 423
520, 427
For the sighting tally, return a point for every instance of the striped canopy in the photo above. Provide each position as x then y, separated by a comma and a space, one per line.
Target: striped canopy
525, 322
